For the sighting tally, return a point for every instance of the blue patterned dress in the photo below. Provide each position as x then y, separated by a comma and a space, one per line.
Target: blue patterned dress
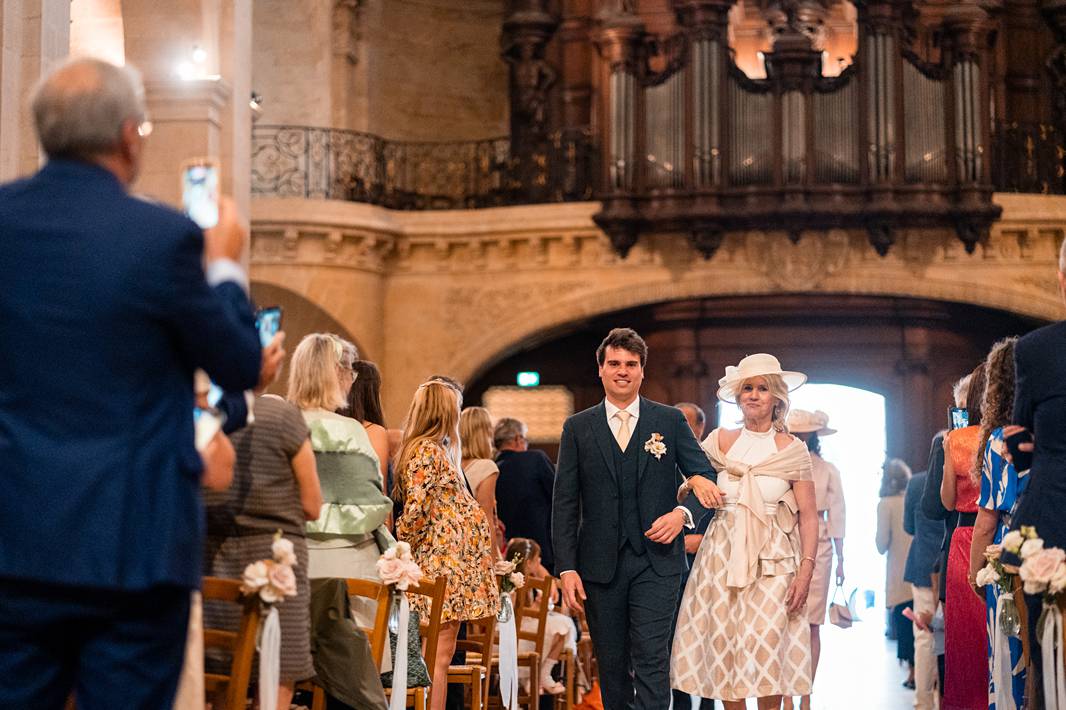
1001, 486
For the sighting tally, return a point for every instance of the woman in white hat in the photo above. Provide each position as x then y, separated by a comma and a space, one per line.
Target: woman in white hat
742, 631
809, 427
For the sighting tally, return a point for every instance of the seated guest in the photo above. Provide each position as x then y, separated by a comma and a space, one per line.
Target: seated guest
475, 434
275, 488
342, 541
559, 630
524, 489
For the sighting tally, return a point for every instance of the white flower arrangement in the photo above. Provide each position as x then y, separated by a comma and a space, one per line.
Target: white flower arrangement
1043, 569
272, 580
510, 580
397, 567
655, 446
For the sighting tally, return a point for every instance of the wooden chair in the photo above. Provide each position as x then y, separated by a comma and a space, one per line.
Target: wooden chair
430, 629
240, 644
377, 635
474, 674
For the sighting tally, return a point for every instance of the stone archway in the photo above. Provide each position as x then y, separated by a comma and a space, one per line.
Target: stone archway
908, 350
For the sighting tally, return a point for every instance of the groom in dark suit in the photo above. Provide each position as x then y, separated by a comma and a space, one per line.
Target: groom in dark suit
616, 524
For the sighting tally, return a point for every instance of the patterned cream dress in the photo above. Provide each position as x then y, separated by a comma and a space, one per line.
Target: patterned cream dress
734, 643
449, 535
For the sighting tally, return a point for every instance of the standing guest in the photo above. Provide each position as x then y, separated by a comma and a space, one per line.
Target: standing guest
809, 427
743, 630
1001, 486
475, 435
524, 488
1040, 408
966, 662
275, 488
106, 313
364, 406
346, 539
927, 535
446, 528
697, 422
616, 523
894, 541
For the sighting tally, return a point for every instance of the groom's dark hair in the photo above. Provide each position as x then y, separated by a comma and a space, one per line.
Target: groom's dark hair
626, 339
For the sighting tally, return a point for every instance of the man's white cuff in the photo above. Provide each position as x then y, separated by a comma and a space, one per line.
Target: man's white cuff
219, 270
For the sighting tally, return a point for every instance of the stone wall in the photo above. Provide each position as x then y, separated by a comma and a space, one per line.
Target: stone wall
456, 291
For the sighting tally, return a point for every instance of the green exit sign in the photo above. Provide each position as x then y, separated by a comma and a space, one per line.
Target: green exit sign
528, 379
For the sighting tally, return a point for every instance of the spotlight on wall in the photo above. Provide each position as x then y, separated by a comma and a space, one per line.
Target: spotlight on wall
194, 66
199, 54
256, 104
185, 71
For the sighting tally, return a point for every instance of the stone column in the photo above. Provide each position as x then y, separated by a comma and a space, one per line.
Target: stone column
203, 111
34, 37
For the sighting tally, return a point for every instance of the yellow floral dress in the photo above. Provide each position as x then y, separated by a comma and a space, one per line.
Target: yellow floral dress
449, 535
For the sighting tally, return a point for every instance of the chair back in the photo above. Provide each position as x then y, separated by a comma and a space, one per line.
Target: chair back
430, 628
239, 644
480, 636
378, 592
533, 602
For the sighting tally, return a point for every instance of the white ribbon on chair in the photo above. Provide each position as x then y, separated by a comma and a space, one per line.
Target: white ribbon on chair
399, 659
269, 659
1051, 650
1001, 664
509, 657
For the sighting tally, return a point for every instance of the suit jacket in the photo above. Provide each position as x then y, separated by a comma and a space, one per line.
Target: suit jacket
524, 498
586, 530
104, 315
927, 534
1040, 406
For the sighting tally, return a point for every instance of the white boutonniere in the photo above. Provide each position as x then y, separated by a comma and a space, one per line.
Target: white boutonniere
655, 446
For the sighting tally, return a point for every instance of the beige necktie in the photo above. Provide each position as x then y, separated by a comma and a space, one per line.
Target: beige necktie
622, 437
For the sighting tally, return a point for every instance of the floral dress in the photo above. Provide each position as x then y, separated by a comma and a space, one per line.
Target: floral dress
449, 535
1001, 486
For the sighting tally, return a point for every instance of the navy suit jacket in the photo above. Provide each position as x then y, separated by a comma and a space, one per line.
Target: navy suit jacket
104, 315
524, 498
586, 510
1040, 406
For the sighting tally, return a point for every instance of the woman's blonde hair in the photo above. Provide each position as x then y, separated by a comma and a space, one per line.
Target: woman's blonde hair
475, 432
433, 416
998, 397
779, 391
313, 381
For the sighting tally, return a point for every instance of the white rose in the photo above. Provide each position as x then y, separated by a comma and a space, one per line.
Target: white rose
403, 550
1012, 541
518, 580
503, 568
1058, 580
1038, 569
1030, 547
256, 576
987, 575
284, 552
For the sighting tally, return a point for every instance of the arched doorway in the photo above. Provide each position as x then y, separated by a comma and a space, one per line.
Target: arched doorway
908, 350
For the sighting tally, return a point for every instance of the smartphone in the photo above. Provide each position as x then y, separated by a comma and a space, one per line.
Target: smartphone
268, 323
1022, 460
960, 418
199, 191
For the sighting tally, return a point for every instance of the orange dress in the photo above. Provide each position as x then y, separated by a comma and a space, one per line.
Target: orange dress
965, 645
449, 535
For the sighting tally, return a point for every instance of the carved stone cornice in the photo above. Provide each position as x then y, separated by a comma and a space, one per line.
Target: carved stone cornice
619, 39
966, 25
705, 19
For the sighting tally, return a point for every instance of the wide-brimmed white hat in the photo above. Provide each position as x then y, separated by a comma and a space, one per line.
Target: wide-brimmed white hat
756, 365
800, 421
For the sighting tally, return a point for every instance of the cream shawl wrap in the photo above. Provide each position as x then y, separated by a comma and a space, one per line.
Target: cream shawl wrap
752, 526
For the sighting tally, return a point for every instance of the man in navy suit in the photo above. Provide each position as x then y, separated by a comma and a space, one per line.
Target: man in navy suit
105, 313
524, 489
616, 524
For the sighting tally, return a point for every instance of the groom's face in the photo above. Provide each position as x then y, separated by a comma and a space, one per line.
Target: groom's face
621, 374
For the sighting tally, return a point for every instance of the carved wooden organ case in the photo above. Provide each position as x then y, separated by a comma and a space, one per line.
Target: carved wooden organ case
687, 143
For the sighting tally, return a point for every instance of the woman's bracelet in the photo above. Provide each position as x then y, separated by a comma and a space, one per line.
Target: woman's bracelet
807, 558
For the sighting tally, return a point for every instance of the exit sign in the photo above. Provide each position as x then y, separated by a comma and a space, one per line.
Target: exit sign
528, 379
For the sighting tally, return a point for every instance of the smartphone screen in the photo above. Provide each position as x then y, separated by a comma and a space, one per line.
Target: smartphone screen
199, 192
268, 323
960, 418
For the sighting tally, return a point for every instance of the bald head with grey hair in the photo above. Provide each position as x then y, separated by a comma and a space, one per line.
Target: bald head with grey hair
89, 109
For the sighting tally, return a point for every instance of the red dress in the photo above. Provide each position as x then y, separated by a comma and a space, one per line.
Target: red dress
965, 642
